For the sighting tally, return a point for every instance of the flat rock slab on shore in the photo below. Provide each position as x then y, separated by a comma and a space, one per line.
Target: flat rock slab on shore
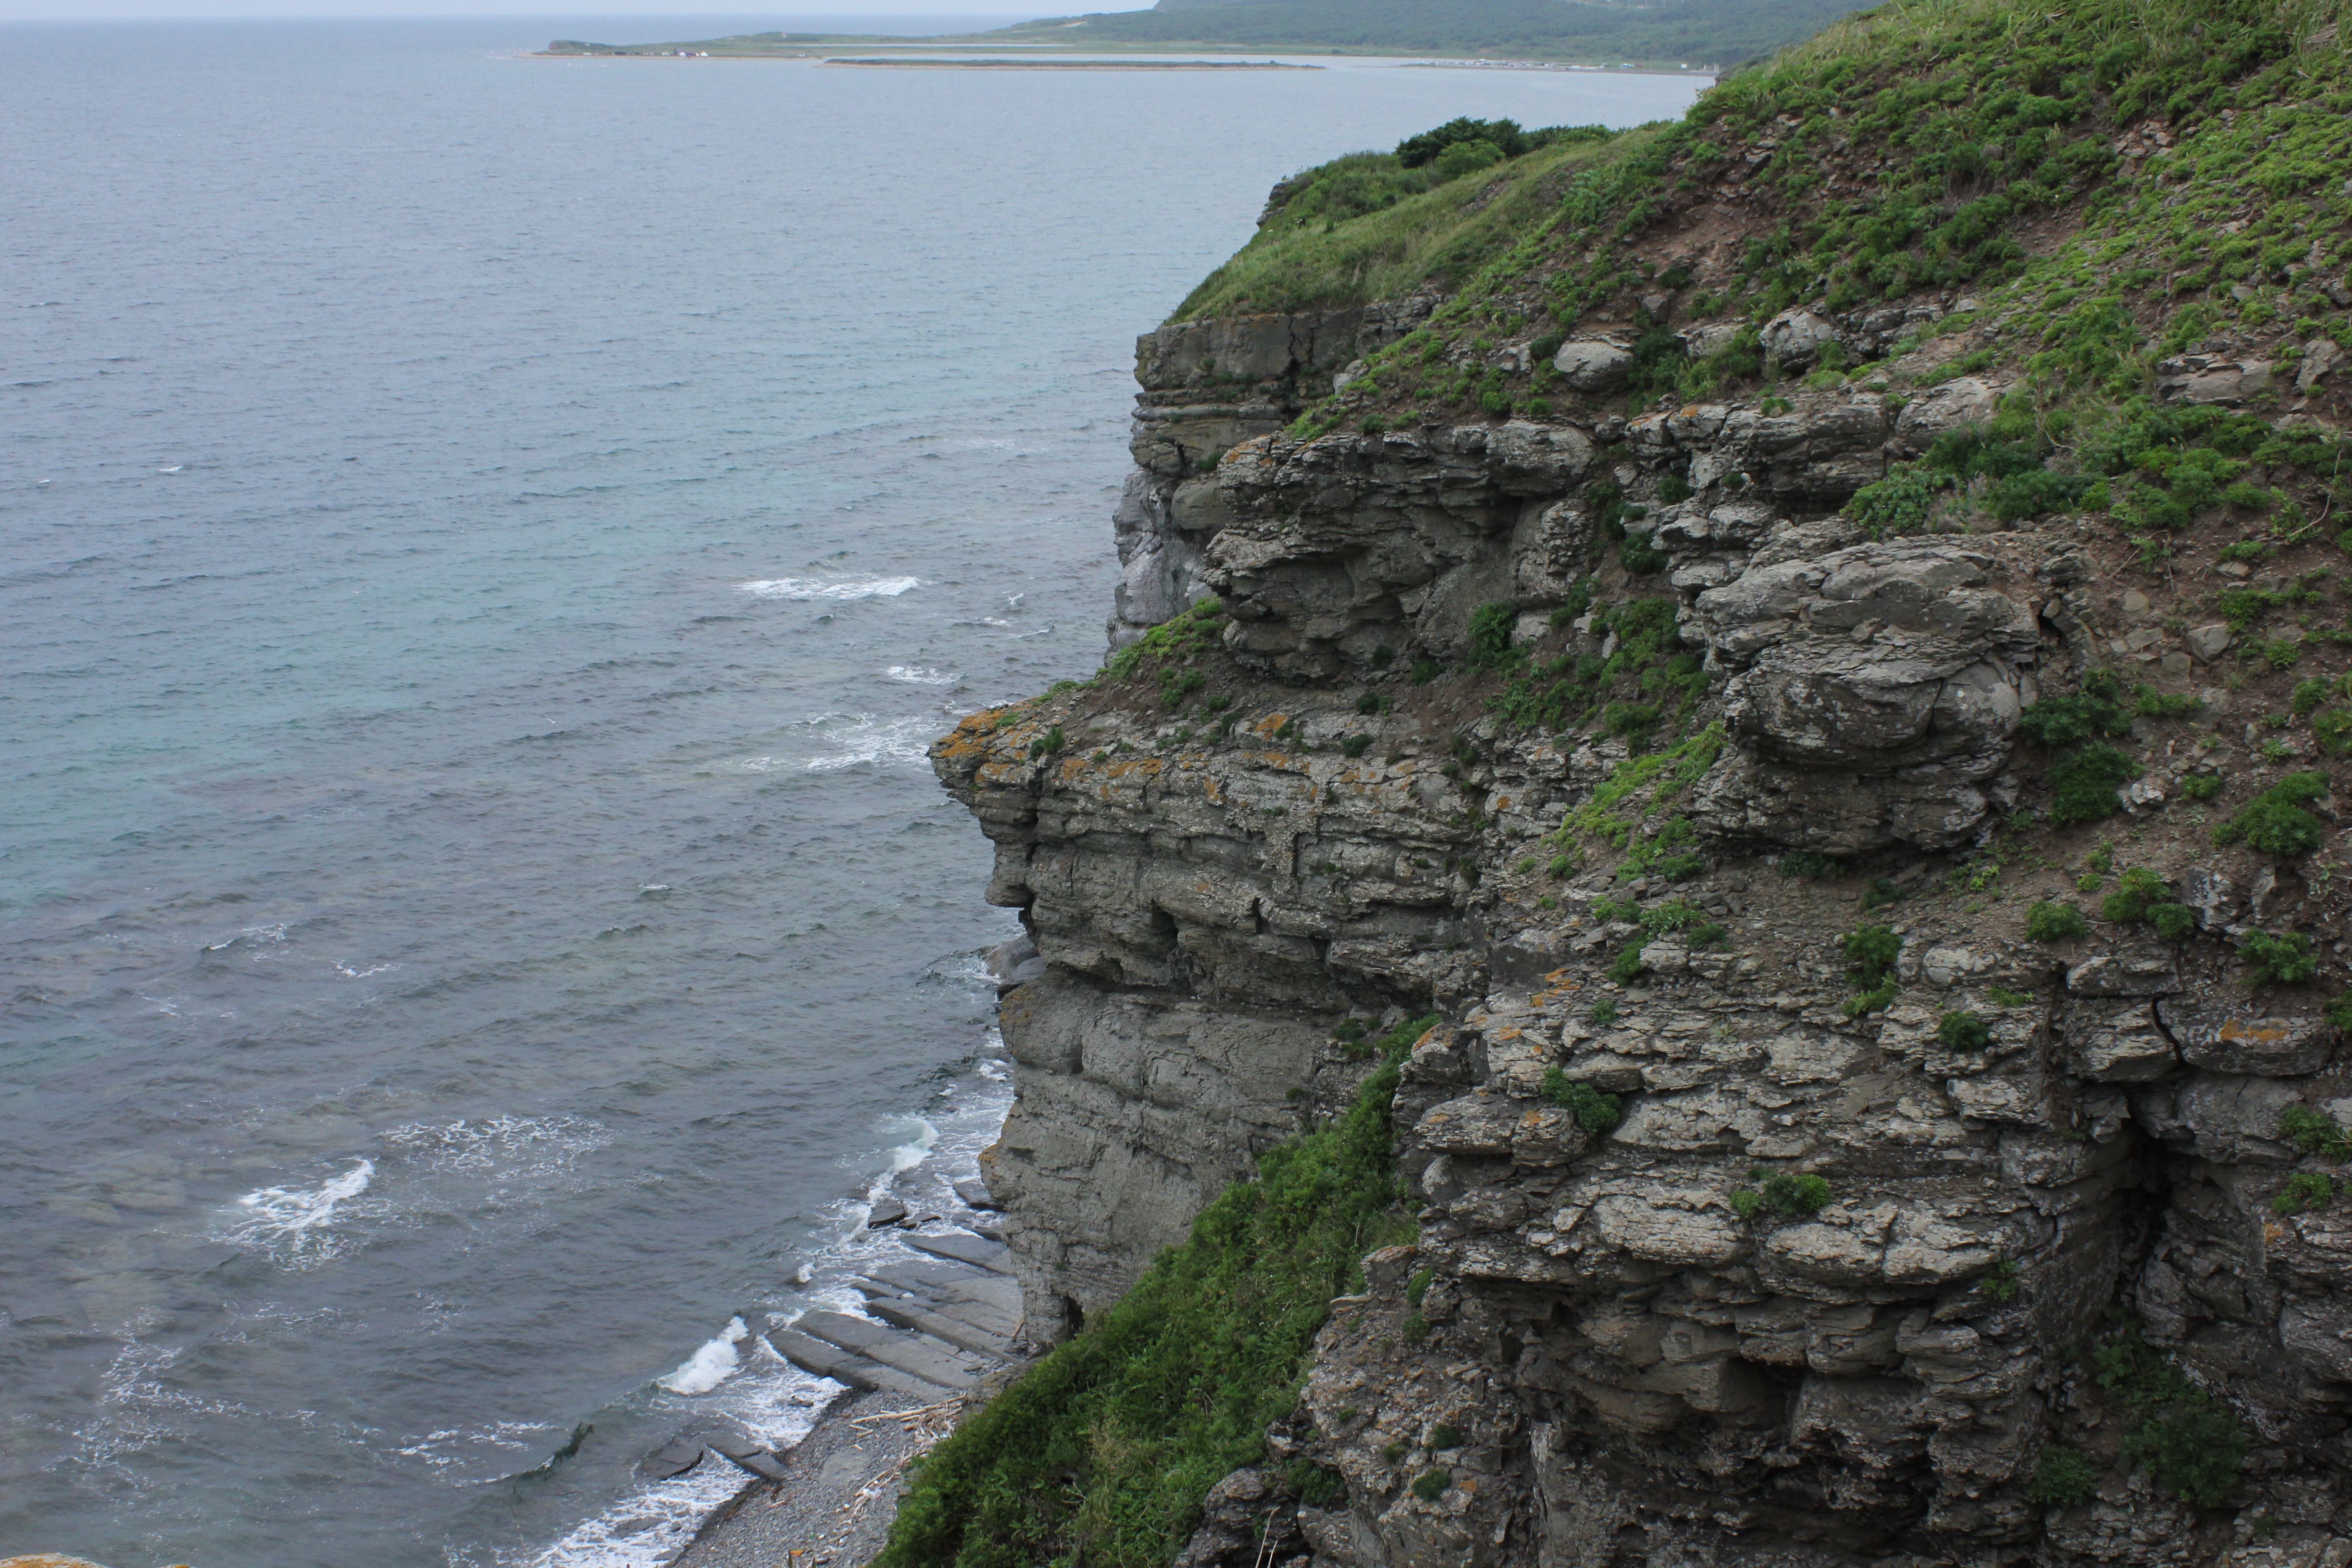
833, 1511
943, 1329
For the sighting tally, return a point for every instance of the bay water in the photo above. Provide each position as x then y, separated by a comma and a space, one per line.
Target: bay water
484, 544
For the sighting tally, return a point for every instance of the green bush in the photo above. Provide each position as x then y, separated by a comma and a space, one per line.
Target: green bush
2055, 922
1594, 1111
2274, 821
1963, 1032
1356, 745
2201, 786
2280, 960
2096, 714
2064, 1478
1870, 956
2315, 1134
1047, 745
2304, 1190
1999, 1282
1316, 1486
1490, 638
1503, 135
1782, 1192
2144, 896
1114, 1438
1432, 1485
2135, 890
1603, 1012
2332, 727
1640, 556
1629, 967
1443, 1437
1466, 158
1423, 671
2339, 1012
2083, 785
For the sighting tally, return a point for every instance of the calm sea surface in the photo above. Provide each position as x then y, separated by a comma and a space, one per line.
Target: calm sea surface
484, 543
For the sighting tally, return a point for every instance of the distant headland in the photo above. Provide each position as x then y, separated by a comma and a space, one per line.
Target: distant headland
1703, 37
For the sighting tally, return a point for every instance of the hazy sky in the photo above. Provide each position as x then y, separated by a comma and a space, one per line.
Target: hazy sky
832, 11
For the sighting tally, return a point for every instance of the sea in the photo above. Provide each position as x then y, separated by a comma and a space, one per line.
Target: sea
484, 542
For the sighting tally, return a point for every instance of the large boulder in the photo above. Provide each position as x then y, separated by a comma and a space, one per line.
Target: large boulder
1876, 692
1594, 364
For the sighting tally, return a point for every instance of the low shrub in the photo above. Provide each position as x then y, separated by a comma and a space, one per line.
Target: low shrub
1432, 1485
2143, 896
1594, 1111
1785, 1193
2274, 822
1963, 1032
2304, 1190
2083, 785
1490, 638
1870, 956
2055, 922
2315, 1134
2280, 960
2064, 1478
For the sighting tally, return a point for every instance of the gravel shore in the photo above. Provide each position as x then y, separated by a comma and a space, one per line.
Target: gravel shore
836, 1510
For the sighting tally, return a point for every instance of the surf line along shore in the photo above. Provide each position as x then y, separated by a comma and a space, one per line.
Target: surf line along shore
940, 1334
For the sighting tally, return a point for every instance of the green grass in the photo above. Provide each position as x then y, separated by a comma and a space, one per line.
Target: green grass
1103, 1449
1323, 255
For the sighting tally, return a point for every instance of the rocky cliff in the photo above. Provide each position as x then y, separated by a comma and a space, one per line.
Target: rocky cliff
1844, 738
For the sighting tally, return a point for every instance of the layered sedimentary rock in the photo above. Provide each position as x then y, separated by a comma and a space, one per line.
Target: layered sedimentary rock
1651, 1342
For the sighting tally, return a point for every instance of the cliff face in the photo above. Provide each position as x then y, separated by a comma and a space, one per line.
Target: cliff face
1797, 1183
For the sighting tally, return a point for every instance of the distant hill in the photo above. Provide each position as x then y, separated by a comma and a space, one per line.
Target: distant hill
1715, 34
1696, 32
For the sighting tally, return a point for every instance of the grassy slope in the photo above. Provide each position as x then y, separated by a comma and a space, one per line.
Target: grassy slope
1715, 32
1103, 1449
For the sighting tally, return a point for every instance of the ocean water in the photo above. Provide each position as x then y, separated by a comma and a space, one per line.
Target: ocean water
484, 544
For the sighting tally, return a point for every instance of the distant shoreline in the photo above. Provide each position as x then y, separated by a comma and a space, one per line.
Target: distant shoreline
1077, 65
816, 55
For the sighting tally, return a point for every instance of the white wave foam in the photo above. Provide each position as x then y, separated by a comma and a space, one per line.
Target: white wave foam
712, 1364
769, 1397
818, 588
349, 972
292, 1221
518, 1147
251, 935
877, 740
916, 675
909, 1155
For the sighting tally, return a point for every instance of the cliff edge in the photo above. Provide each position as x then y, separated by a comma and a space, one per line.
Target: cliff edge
1723, 737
